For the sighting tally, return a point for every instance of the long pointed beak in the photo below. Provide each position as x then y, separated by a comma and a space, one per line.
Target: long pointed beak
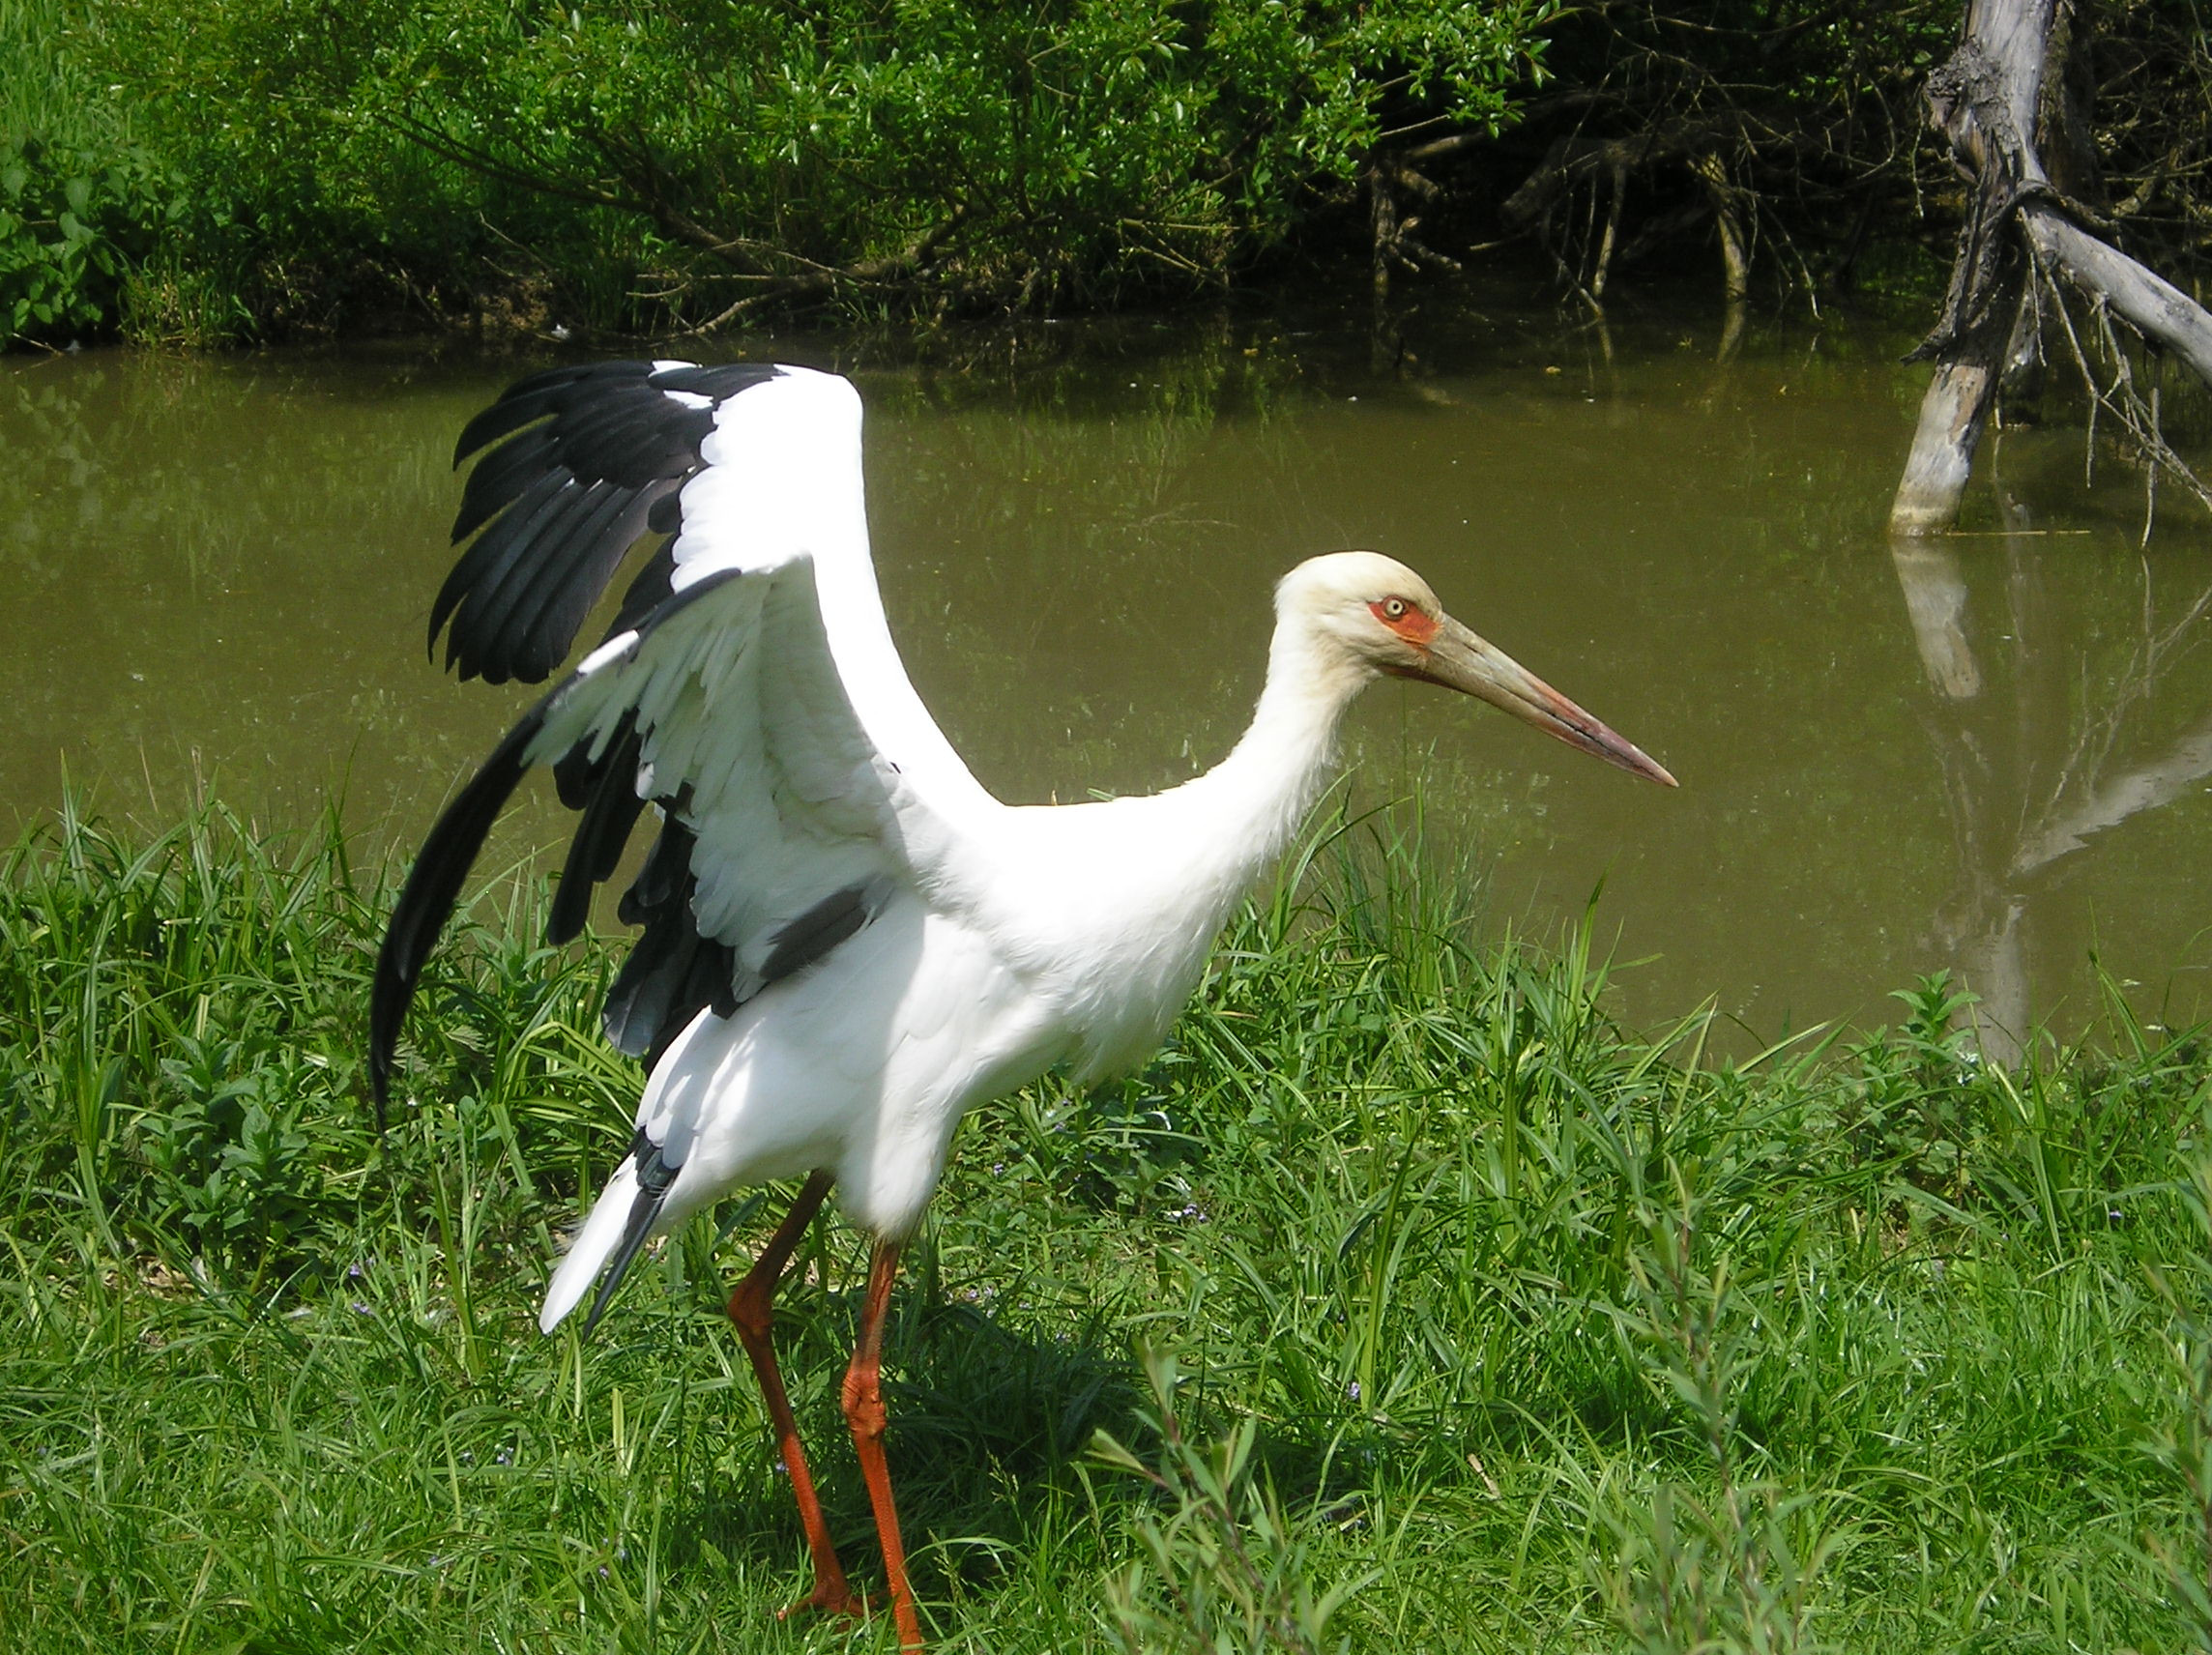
1458, 660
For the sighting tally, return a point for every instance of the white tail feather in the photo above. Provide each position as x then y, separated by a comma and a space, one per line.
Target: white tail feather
594, 1245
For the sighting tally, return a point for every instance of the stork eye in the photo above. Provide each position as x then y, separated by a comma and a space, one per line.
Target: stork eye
1393, 609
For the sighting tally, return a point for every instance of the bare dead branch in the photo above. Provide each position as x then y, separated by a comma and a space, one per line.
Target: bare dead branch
2158, 309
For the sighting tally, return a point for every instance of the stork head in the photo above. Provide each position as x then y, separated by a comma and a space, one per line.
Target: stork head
1360, 615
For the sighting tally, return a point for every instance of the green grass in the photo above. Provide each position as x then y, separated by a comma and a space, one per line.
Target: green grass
1404, 1304
48, 86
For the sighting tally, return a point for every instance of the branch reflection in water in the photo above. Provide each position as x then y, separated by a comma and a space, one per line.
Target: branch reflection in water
2052, 744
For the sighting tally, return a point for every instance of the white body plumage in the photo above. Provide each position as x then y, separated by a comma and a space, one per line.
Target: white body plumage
1015, 937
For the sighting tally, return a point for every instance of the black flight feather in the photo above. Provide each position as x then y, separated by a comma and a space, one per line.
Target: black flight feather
505, 538
647, 452
668, 979
488, 614
535, 396
564, 610
514, 539
503, 418
718, 380
653, 585
514, 601
709, 985
635, 435
664, 878
610, 812
433, 887
427, 900
505, 611
576, 774
504, 476
540, 626
672, 972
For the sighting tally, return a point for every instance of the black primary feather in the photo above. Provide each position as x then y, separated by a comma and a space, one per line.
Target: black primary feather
483, 561
548, 625
576, 774
534, 397
611, 810
634, 434
503, 475
716, 380
547, 552
653, 584
526, 568
673, 973
427, 899
664, 876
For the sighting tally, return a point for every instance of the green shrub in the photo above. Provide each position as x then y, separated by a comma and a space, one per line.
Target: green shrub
650, 166
71, 225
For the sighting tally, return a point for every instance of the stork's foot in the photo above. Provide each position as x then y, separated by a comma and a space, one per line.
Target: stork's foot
832, 1597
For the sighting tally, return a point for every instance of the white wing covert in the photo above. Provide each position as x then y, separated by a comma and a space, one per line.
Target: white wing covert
745, 738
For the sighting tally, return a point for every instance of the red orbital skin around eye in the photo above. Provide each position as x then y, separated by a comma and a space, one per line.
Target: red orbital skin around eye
1414, 626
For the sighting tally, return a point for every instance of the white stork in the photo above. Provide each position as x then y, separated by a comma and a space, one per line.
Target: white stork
848, 942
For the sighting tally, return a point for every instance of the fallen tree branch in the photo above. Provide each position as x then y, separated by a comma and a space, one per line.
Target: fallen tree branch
1986, 101
2151, 304
912, 261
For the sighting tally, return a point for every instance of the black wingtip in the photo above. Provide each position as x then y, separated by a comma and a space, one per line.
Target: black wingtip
534, 398
608, 794
380, 1088
433, 887
573, 464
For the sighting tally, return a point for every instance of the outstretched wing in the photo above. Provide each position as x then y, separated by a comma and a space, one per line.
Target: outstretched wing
724, 694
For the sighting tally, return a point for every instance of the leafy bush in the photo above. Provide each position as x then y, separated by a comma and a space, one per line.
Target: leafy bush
224, 1135
75, 198
649, 165
71, 225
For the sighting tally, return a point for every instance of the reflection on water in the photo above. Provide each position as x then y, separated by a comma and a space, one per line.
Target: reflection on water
225, 567
2072, 731
217, 568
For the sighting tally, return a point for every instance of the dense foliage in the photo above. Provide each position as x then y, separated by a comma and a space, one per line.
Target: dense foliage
649, 165
1474, 1323
271, 167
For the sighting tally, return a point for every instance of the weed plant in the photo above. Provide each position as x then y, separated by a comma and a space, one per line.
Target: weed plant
1405, 1302
78, 201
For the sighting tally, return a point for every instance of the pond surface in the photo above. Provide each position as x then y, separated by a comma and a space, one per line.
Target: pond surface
1989, 752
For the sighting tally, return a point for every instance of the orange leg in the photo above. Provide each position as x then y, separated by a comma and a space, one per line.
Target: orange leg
864, 1410
752, 1309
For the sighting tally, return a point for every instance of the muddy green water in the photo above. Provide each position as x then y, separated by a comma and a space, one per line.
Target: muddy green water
1991, 753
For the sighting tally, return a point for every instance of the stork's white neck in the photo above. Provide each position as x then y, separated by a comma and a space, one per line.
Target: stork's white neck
1257, 797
